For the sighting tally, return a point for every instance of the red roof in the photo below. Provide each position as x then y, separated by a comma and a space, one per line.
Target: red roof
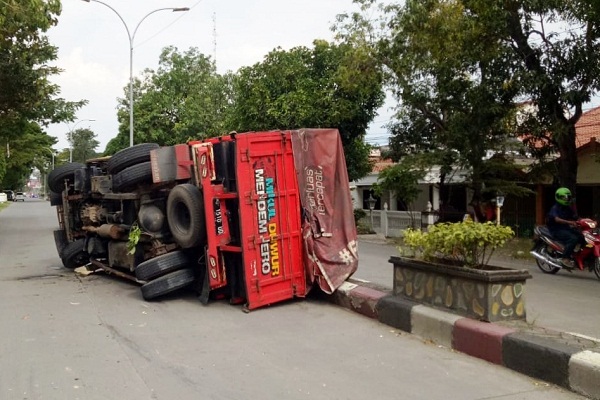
588, 127
380, 165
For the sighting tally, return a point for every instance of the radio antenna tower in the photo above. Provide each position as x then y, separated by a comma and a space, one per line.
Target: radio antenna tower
214, 19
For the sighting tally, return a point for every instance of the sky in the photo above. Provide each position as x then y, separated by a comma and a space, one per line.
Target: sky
93, 46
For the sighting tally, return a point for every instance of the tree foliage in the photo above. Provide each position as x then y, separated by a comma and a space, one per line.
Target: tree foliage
452, 85
458, 67
27, 151
402, 179
84, 144
557, 44
327, 86
184, 99
28, 100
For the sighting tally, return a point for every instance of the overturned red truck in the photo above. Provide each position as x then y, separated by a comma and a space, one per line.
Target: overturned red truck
256, 218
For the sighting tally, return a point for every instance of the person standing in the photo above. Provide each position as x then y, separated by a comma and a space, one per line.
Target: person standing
562, 222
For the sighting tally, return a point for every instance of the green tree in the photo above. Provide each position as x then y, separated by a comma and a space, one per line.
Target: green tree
557, 44
402, 179
327, 86
547, 52
184, 99
454, 86
28, 100
84, 144
25, 152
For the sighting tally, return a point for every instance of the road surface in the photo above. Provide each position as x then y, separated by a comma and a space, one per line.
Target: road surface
567, 302
68, 337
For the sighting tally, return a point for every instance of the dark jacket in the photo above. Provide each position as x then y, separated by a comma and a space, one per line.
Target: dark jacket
564, 212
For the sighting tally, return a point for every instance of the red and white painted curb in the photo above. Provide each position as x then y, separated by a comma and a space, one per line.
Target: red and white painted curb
568, 360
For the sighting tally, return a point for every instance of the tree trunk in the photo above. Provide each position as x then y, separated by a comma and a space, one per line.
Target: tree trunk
567, 163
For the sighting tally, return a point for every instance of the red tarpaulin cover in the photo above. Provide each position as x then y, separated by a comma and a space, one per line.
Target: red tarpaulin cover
328, 226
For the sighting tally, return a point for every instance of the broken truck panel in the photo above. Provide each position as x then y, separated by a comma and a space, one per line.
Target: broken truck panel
329, 230
256, 217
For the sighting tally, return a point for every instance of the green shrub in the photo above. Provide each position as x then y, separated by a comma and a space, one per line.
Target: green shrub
359, 214
362, 225
470, 243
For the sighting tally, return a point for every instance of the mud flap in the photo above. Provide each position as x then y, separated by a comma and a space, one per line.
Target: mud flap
204, 285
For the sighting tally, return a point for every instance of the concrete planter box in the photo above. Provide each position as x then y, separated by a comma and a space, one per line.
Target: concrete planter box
487, 294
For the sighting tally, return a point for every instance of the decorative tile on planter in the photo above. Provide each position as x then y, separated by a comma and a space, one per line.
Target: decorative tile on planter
489, 293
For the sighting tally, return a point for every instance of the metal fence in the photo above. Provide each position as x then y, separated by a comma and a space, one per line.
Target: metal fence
392, 223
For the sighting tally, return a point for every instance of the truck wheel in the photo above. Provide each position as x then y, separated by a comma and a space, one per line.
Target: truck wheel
74, 254
57, 177
132, 176
185, 215
130, 156
55, 199
60, 240
161, 265
167, 283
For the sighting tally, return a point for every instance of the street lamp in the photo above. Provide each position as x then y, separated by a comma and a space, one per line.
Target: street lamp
44, 183
71, 136
371, 202
131, 39
499, 204
51, 152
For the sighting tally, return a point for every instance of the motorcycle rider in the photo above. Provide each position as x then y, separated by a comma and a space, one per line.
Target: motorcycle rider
562, 222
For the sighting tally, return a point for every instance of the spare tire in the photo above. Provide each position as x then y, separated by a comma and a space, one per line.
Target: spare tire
130, 156
130, 177
185, 215
58, 176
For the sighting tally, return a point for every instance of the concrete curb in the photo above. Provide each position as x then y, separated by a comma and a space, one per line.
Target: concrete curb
566, 360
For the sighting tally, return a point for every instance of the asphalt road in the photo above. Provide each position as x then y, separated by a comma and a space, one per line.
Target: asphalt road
69, 337
567, 302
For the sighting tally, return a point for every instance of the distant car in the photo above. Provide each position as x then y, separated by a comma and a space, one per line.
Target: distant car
19, 196
10, 195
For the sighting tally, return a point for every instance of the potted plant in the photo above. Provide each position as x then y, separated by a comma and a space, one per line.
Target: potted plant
449, 267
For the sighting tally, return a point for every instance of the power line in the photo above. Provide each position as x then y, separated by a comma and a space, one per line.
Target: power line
168, 26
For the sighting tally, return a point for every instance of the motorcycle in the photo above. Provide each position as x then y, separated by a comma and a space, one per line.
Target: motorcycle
548, 251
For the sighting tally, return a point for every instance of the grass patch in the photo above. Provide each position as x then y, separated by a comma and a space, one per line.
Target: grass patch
516, 248
4, 205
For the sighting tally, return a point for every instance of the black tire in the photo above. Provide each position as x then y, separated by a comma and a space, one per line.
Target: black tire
74, 254
161, 265
597, 267
61, 241
185, 215
130, 177
57, 177
130, 156
55, 199
546, 268
168, 283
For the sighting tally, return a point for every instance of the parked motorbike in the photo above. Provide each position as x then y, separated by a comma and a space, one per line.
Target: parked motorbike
548, 251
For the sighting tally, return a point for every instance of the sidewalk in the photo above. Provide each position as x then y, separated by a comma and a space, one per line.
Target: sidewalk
565, 359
